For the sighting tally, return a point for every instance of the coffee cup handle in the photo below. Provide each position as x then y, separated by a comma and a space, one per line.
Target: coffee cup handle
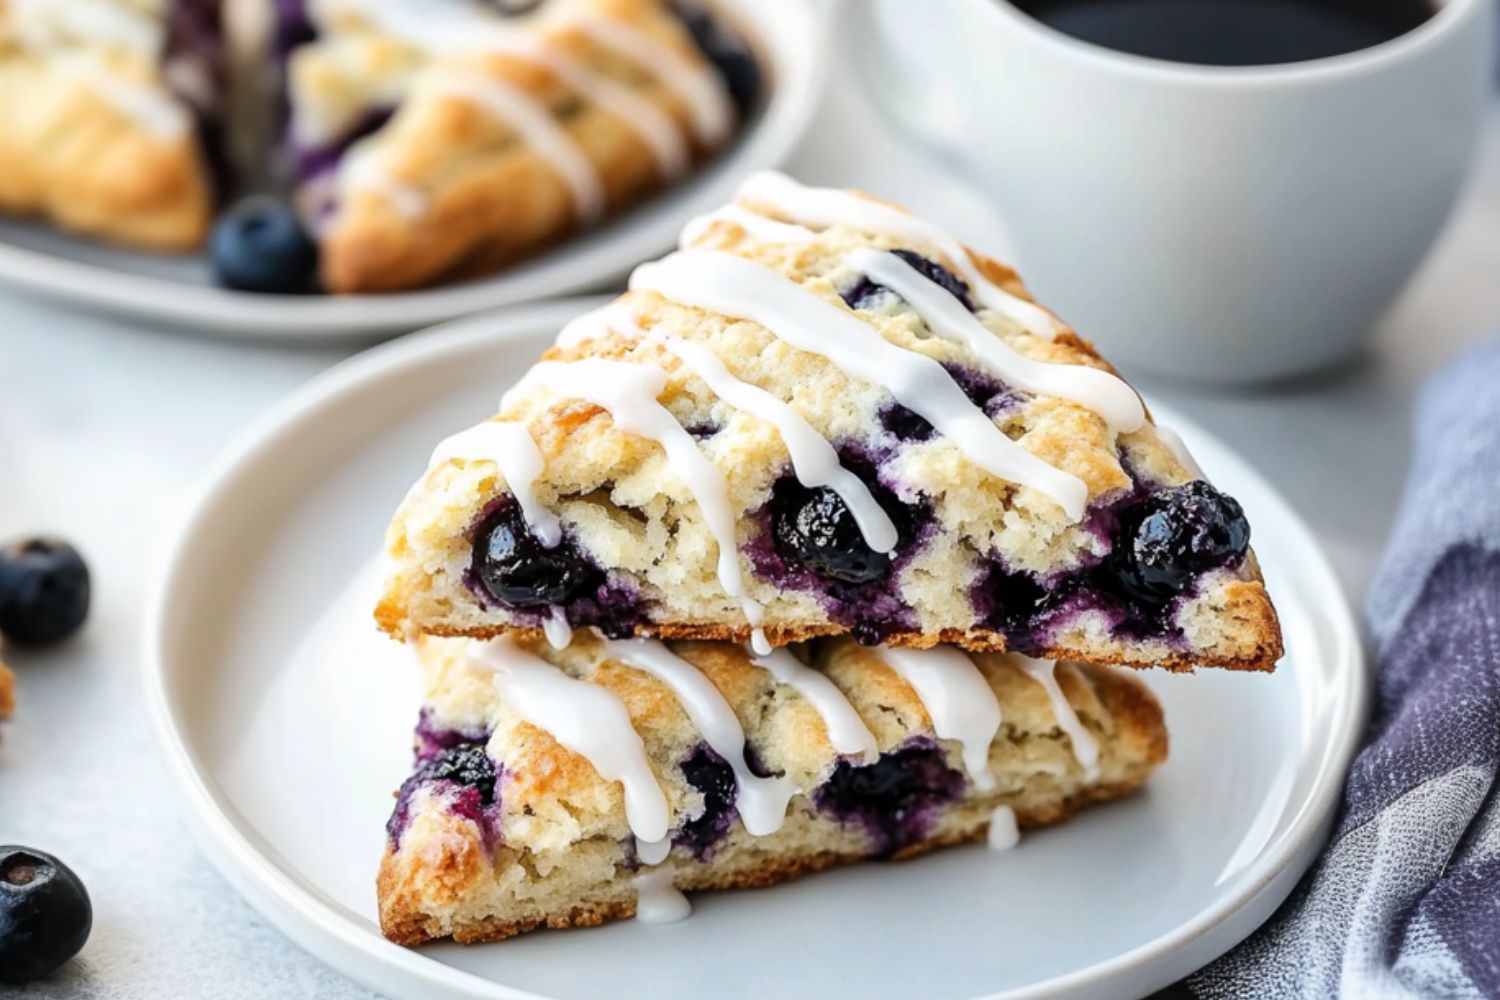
902, 84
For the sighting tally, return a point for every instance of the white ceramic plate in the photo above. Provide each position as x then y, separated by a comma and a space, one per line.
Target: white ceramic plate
789, 35
286, 721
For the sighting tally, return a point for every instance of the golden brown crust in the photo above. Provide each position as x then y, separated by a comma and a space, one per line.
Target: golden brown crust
403, 923
7, 691
79, 162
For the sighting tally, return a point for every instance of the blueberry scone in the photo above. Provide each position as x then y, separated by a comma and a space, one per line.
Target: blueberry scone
112, 111
825, 416
434, 139
567, 788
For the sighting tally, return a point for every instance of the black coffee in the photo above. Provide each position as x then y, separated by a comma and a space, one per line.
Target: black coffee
1232, 32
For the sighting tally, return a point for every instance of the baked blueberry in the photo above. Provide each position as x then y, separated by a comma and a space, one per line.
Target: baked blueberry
895, 799
260, 246
44, 591
815, 527
517, 569
865, 293
1171, 537
726, 50
466, 764
712, 776
45, 914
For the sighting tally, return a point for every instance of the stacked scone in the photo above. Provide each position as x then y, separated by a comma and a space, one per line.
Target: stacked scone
823, 542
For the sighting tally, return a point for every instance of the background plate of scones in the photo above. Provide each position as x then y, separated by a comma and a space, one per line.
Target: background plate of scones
822, 549
356, 167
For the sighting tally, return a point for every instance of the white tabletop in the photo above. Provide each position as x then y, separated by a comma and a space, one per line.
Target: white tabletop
106, 428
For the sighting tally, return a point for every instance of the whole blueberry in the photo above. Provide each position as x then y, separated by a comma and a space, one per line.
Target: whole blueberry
814, 527
518, 570
1169, 538
259, 245
44, 591
45, 915
467, 764
727, 51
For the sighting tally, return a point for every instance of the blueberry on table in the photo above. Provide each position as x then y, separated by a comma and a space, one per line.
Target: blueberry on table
45, 914
259, 245
816, 528
1172, 536
44, 591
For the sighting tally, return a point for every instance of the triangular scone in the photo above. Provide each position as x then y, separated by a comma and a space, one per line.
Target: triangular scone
106, 113
567, 788
825, 416
440, 139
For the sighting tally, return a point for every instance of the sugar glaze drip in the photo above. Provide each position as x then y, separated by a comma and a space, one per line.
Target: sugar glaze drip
959, 700
511, 447
584, 718
1085, 746
946, 316
537, 128
847, 732
658, 901
761, 801
734, 286
629, 393
814, 461
1004, 832
832, 207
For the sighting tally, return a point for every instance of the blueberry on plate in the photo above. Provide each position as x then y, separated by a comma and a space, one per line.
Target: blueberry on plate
1169, 538
518, 570
44, 591
815, 527
45, 914
259, 245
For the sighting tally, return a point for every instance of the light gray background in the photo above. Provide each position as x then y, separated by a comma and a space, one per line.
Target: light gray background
107, 427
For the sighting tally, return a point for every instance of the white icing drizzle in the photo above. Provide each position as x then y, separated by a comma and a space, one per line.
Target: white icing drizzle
653, 852
1004, 833
47, 24
833, 207
655, 127
584, 718
1085, 747
753, 223
510, 446
961, 703
723, 283
361, 169
1097, 390
698, 85
814, 460
1179, 450
556, 628
847, 732
150, 107
537, 127
759, 644
658, 901
628, 392
761, 801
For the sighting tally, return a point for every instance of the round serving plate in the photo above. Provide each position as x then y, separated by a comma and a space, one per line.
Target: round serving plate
286, 720
789, 35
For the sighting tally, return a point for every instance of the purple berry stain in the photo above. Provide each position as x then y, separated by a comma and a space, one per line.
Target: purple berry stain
896, 799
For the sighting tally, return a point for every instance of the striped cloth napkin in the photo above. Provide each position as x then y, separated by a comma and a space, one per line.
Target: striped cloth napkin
1405, 901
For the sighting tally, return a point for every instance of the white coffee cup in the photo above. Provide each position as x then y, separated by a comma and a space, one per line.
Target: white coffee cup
1216, 223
